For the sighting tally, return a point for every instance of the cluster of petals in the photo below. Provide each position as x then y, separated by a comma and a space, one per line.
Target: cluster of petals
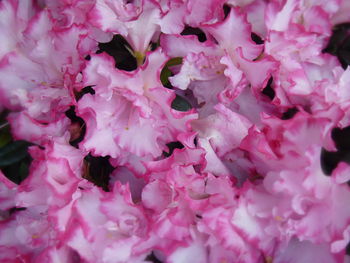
247, 184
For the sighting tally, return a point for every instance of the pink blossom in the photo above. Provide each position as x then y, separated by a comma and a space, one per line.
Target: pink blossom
134, 98
242, 173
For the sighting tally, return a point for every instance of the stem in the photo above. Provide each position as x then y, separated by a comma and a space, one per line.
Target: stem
138, 55
139, 58
4, 125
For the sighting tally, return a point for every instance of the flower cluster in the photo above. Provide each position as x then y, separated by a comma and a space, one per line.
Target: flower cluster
177, 131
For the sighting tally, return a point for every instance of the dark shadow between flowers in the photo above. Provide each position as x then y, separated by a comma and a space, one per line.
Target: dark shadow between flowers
88, 90
7, 214
257, 39
172, 146
14, 157
97, 170
152, 258
268, 90
194, 31
15, 165
289, 114
339, 44
77, 128
227, 9
330, 160
119, 49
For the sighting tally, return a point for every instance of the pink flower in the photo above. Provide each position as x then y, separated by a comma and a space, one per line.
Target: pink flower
53, 178
194, 13
137, 101
237, 178
118, 225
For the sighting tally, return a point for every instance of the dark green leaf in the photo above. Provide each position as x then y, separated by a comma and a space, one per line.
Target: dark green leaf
5, 138
174, 62
13, 147
18, 171
180, 104
23, 170
164, 76
166, 72
12, 158
13, 152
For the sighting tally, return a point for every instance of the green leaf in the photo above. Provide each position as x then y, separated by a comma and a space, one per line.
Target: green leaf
23, 170
12, 158
13, 147
13, 153
174, 62
5, 138
180, 104
166, 72
164, 76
